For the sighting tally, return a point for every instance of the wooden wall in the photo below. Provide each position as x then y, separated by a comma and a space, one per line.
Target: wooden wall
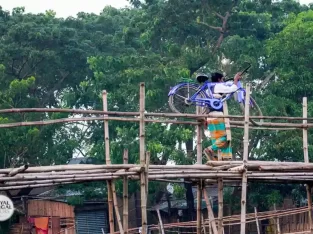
49, 208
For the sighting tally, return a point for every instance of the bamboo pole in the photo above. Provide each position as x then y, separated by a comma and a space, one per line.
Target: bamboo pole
257, 220
204, 228
227, 122
220, 205
234, 124
240, 168
305, 131
147, 172
210, 211
32, 186
199, 162
245, 159
199, 141
125, 195
142, 159
277, 221
80, 167
306, 160
199, 201
132, 173
117, 213
108, 161
160, 221
115, 113
15, 171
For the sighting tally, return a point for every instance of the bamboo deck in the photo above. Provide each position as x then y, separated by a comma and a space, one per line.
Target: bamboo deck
220, 172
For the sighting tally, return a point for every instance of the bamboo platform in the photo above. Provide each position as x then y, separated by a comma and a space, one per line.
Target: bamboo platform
214, 172
230, 171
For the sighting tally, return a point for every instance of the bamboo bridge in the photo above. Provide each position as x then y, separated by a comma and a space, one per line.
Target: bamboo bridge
213, 172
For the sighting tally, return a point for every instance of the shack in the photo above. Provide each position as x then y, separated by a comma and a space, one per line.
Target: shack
54, 216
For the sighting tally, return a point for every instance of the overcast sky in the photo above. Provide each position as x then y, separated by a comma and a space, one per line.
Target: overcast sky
65, 8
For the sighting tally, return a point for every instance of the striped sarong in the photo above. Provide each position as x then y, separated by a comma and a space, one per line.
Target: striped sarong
219, 141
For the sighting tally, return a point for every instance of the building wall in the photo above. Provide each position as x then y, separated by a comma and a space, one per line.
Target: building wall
49, 208
61, 215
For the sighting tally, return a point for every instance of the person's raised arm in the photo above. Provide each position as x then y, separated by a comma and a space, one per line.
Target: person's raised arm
222, 88
237, 78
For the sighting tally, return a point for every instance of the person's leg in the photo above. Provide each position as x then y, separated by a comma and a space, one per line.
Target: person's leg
210, 154
217, 130
227, 152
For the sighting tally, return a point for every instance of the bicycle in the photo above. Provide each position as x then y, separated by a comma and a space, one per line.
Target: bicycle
203, 97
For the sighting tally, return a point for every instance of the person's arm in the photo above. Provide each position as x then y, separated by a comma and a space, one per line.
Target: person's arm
222, 88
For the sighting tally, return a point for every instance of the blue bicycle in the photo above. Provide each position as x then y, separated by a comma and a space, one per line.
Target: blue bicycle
186, 96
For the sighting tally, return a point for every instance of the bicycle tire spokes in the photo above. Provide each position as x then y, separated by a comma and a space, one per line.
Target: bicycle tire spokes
184, 99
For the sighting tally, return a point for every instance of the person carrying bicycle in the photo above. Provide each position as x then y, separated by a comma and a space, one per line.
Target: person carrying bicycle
216, 125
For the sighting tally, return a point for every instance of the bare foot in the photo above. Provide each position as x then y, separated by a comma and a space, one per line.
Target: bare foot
209, 153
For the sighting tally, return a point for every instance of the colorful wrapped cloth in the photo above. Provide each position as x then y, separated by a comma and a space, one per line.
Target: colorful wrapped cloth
42, 225
218, 134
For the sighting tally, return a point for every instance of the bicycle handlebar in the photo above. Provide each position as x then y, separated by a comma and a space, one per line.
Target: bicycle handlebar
243, 72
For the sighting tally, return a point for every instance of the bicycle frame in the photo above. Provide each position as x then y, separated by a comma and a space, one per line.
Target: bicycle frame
209, 99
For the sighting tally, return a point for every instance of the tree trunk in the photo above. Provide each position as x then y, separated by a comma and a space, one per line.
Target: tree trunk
189, 148
138, 210
190, 200
168, 199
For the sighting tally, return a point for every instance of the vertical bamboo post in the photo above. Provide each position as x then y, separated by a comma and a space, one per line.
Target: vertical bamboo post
220, 205
199, 140
199, 199
245, 159
117, 213
199, 161
277, 222
305, 130
108, 161
220, 183
257, 220
204, 228
125, 195
306, 159
210, 211
147, 172
142, 159
160, 221
227, 122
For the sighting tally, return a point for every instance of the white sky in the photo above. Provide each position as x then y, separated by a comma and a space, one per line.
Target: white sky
65, 8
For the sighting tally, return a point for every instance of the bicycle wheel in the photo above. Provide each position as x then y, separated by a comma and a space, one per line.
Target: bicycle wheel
179, 102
